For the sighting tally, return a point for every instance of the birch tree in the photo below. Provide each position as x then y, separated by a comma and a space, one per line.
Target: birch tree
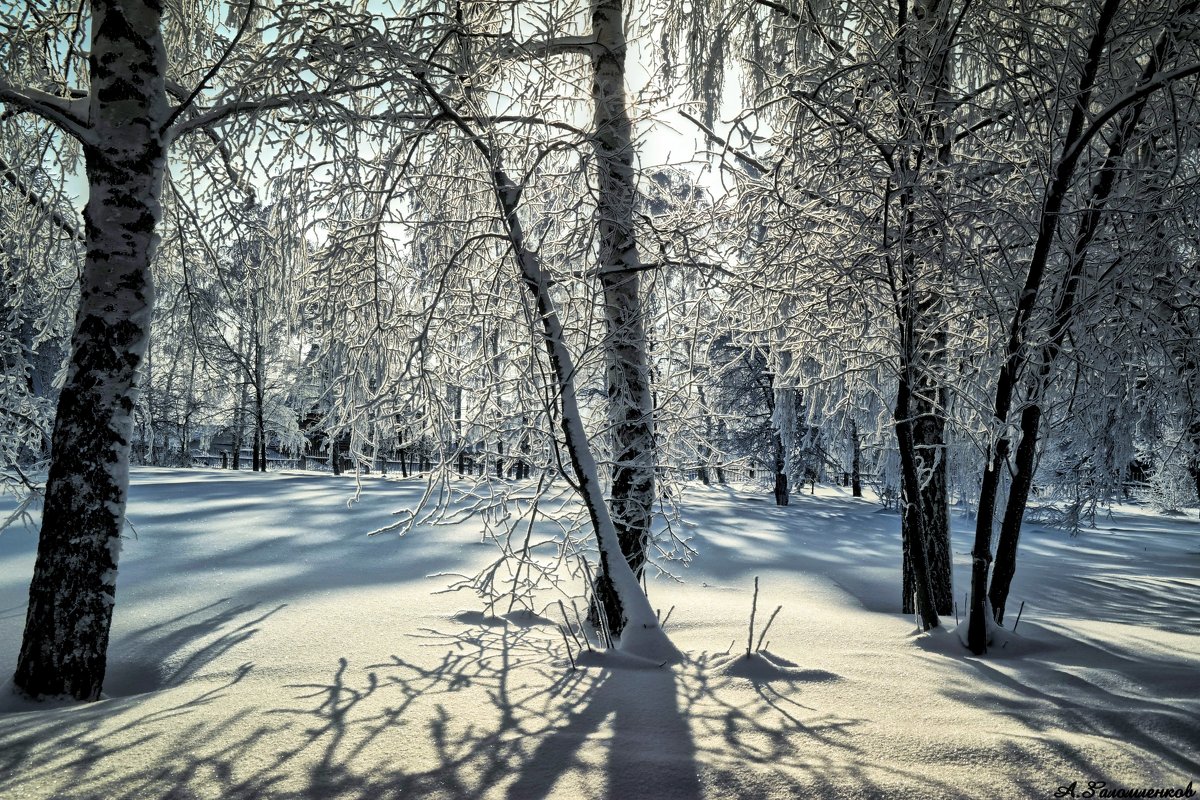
139, 83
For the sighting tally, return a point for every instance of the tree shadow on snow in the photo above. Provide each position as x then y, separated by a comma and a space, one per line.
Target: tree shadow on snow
73, 745
606, 730
1072, 688
496, 712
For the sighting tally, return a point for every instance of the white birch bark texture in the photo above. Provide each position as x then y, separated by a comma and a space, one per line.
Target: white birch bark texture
630, 400
638, 631
73, 589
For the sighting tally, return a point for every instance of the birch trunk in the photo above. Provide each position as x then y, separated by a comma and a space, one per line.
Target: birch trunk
856, 460
636, 630
73, 590
631, 405
923, 49
631, 617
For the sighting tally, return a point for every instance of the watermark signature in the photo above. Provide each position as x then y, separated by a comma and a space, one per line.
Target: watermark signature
1102, 789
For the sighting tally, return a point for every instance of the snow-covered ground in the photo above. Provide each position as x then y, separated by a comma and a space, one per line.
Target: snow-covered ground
264, 647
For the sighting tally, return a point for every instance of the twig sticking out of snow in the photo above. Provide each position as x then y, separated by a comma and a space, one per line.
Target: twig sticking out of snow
568, 644
753, 610
567, 620
1018, 622
579, 621
605, 635
663, 624
604, 631
761, 636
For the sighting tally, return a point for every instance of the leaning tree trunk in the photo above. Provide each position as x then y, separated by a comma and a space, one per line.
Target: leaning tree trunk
1065, 309
637, 629
636, 625
1005, 566
73, 589
631, 405
1015, 355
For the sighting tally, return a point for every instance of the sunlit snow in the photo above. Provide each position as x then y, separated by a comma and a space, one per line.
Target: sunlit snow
264, 647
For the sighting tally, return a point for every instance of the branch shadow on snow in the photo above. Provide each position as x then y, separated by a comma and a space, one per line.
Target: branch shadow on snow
496, 712
178, 652
1070, 687
605, 730
171, 652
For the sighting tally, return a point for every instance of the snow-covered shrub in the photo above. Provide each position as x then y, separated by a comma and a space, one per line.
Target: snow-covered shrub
1172, 488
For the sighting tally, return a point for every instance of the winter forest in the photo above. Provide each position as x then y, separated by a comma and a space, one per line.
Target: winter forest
599, 398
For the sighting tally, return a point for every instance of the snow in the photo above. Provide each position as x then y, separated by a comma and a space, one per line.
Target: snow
264, 647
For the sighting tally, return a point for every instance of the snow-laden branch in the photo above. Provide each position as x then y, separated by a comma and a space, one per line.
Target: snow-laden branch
758, 167
810, 99
37, 201
808, 19
214, 69
220, 113
68, 115
558, 45
1160, 81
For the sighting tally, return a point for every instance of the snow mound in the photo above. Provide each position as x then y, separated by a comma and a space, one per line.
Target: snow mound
14, 701
616, 659
520, 618
765, 667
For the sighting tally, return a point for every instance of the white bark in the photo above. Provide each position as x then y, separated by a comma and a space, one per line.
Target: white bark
641, 635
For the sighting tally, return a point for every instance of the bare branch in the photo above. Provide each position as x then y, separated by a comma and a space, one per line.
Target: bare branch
809, 20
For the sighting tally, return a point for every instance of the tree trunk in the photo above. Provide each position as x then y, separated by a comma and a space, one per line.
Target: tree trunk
1100, 192
929, 449
238, 413
458, 430
1005, 566
1014, 356
923, 47
73, 590
856, 461
150, 451
1194, 463
630, 403
781, 478
917, 557
706, 451
631, 619
260, 432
